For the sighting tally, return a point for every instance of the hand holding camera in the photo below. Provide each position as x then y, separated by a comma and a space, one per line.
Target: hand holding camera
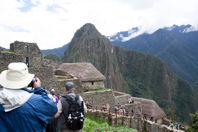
35, 83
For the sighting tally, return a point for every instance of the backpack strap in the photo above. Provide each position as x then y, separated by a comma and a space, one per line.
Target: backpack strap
70, 100
77, 97
81, 103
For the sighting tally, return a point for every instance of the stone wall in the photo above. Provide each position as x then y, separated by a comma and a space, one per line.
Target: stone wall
42, 68
7, 58
136, 107
26, 49
134, 122
51, 63
60, 86
45, 74
92, 85
121, 98
99, 98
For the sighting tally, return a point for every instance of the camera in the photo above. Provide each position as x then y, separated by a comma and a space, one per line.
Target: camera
31, 84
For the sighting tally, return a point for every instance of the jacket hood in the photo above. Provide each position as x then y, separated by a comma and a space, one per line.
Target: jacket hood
12, 99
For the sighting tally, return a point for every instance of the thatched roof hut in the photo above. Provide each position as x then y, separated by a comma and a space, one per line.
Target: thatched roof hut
150, 108
83, 71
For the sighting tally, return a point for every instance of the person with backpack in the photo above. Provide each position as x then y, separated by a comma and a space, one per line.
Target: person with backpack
71, 111
23, 109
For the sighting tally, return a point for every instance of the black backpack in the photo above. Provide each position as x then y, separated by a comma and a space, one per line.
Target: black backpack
75, 117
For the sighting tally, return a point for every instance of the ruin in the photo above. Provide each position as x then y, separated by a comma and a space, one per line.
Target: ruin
90, 77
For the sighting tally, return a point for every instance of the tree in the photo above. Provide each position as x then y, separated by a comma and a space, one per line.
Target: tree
171, 114
194, 127
52, 57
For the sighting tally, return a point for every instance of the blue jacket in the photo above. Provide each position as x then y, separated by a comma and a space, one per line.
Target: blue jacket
32, 116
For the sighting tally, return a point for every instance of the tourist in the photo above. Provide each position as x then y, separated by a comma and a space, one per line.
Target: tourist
108, 107
52, 124
171, 125
177, 126
54, 96
23, 110
64, 106
103, 107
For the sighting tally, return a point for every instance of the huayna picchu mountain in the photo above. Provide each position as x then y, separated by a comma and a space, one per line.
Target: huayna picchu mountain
88, 45
137, 73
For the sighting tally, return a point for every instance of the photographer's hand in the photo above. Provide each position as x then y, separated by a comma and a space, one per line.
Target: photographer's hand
37, 82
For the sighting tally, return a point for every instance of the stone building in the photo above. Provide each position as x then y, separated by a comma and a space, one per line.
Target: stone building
151, 110
89, 76
29, 51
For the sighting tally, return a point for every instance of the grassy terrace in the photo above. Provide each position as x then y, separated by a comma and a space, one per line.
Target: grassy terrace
7, 51
100, 125
98, 90
62, 78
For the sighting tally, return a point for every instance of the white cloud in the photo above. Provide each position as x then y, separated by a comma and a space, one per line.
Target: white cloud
52, 23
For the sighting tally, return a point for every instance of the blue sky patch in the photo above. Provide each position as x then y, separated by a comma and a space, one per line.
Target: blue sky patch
27, 5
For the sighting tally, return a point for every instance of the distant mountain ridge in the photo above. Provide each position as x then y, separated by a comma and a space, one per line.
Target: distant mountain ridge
137, 73
177, 46
56, 51
1, 48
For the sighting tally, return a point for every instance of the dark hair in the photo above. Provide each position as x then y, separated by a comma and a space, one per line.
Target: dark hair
31, 84
69, 85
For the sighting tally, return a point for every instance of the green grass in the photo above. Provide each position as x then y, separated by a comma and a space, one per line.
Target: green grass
100, 125
98, 90
7, 51
62, 78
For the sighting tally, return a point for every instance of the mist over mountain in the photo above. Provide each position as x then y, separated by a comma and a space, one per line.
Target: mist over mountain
139, 74
177, 46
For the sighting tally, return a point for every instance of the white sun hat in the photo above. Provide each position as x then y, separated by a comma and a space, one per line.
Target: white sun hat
16, 77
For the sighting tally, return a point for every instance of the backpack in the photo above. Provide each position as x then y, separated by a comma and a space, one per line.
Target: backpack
75, 117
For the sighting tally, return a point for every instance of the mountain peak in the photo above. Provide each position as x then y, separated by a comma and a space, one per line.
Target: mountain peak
87, 29
88, 26
182, 28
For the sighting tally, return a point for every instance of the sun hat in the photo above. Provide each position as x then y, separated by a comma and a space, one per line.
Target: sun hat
16, 77
69, 85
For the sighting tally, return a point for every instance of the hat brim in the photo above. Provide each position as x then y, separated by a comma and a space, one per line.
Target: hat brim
15, 84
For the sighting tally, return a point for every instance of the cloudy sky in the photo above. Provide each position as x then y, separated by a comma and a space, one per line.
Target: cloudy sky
52, 23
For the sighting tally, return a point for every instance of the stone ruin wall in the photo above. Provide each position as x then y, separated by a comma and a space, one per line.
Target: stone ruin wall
60, 86
92, 85
7, 58
26, 49
134, 122
51, 63
136, 107
122, 99
99, 98
45, 74
42, 68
